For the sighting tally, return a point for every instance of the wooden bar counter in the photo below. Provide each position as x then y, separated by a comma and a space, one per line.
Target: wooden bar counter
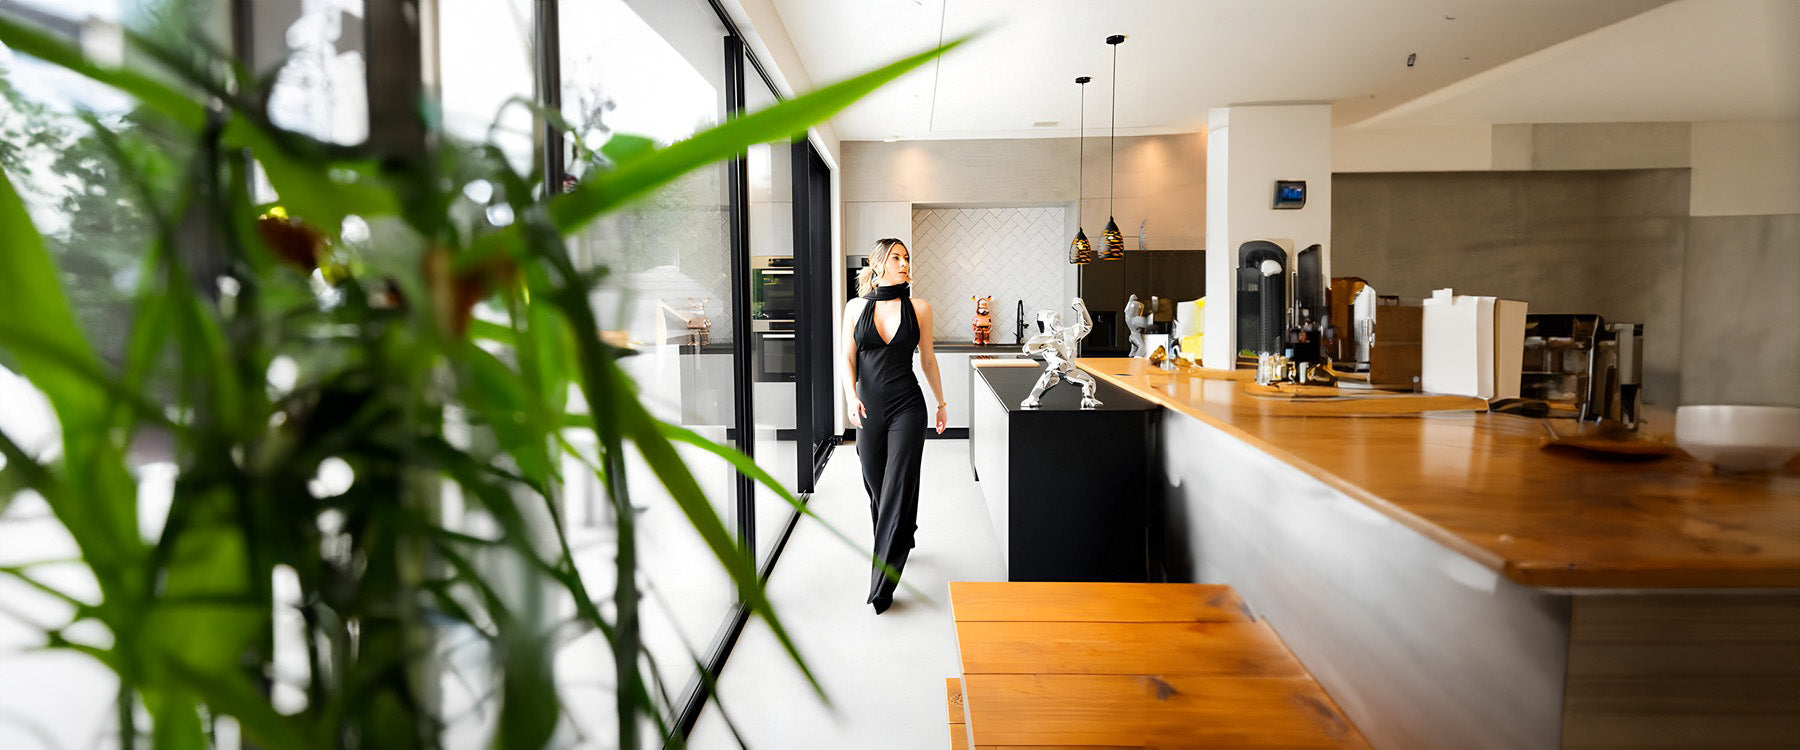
1481, 484
1452, 584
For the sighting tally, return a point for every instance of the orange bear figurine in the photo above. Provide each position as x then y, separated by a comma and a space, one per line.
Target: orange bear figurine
984, 321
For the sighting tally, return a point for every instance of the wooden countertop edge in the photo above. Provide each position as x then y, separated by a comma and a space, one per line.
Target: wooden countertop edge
1534, 573
1433, 531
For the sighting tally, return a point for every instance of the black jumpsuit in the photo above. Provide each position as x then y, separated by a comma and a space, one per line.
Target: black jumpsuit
892, 438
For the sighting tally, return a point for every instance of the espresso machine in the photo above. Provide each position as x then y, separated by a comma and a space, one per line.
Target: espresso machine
1261, 298
1584, 367
1284, 334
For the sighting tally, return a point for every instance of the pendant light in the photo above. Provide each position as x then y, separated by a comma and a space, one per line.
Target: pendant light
1113, 243
1081, 252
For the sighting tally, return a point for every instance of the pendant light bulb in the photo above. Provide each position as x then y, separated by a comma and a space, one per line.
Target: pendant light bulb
1081, 252
1113, 243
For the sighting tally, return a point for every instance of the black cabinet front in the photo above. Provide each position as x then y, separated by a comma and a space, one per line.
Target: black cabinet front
1069, 490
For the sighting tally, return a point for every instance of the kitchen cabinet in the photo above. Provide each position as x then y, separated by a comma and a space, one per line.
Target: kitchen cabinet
953, 370
1068, 489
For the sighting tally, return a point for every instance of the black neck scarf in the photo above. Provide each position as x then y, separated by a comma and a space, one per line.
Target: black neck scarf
891, 291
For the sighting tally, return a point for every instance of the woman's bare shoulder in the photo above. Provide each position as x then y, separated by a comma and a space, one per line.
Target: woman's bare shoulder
920, 305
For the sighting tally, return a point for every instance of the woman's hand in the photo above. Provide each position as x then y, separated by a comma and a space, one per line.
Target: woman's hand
943, 418
857, 412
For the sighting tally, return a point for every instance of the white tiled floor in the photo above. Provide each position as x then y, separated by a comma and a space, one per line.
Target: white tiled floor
884, 675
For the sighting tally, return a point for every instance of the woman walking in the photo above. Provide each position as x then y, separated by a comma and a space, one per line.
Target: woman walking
882, 328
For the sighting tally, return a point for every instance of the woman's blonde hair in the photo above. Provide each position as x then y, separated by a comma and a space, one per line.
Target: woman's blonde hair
871, 273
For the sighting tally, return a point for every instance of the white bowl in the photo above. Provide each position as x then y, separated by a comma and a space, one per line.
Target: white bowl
1739, 438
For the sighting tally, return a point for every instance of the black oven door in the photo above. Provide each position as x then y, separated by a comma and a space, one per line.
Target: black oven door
777, 357
778, 289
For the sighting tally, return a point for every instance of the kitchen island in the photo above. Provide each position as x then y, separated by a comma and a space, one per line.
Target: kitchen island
1451, 584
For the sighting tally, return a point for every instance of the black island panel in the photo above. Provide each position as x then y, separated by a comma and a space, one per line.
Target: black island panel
1068, 489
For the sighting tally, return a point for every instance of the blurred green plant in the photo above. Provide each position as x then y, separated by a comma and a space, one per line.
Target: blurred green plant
393, 379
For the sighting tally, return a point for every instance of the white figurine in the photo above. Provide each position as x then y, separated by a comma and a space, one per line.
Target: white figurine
1057, 345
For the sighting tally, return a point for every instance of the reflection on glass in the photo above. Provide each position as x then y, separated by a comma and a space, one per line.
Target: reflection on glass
774, 395
322, 89
484, 62
656, 70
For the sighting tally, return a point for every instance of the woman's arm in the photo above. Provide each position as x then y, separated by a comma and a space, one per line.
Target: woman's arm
928, 362
853, 405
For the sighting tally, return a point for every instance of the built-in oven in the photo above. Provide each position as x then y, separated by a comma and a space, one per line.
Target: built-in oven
774, 288
853, 266
776, 356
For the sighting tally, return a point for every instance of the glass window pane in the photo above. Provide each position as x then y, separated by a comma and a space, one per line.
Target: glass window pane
96, 229
322, 88
775, 350
657, 70
485, 60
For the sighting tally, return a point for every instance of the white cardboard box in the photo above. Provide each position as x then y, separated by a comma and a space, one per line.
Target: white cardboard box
1473, 346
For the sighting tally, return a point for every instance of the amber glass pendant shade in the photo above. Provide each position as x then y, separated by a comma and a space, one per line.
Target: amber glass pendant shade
1081, 252
1113, 243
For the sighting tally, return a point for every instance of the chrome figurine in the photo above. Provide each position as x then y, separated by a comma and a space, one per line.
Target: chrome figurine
1057, 346
1137, 319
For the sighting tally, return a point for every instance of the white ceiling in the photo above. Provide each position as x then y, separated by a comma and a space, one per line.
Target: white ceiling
1478, 61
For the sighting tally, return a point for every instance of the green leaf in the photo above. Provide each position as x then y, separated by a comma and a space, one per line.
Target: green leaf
781, 122
505, 403
56, 50
307, 190
673, 473
749, 467
646, 171
98, 503
230, 694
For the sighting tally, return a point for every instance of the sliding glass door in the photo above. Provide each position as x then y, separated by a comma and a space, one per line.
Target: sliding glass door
657, 70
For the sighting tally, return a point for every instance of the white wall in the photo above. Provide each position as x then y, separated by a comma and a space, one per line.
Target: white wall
767, 36
1249, 149
1740, 168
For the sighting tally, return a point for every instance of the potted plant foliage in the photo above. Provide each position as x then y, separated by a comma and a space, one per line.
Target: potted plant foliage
391, 377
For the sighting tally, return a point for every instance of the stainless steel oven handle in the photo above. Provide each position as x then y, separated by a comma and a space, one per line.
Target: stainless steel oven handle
776, 271
776, 335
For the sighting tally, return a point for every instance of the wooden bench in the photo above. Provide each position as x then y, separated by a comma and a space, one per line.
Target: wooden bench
1125, 665
959, 734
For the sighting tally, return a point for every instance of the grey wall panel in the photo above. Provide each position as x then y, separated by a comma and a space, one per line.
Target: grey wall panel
1741, 311
1608, 242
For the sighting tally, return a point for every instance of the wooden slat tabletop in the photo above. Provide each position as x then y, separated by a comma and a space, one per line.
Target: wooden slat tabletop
1239, 649
1131, 665
1095, 602
1170, 710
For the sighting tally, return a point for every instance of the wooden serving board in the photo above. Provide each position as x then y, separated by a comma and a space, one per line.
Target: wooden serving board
1314, 400
1293, 390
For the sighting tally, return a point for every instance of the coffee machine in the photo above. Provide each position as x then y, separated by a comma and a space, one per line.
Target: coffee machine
1583, 366
1261, 298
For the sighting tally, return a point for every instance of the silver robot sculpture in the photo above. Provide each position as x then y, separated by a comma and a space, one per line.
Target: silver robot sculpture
1057, 346
1136, 320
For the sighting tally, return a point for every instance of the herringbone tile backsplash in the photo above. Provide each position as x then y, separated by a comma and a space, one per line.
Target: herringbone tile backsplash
1011, 253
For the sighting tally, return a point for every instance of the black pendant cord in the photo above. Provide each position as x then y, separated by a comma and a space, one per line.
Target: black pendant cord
1112, 141
1081, 154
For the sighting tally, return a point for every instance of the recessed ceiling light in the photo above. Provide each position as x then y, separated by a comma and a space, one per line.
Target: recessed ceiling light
1045, 124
